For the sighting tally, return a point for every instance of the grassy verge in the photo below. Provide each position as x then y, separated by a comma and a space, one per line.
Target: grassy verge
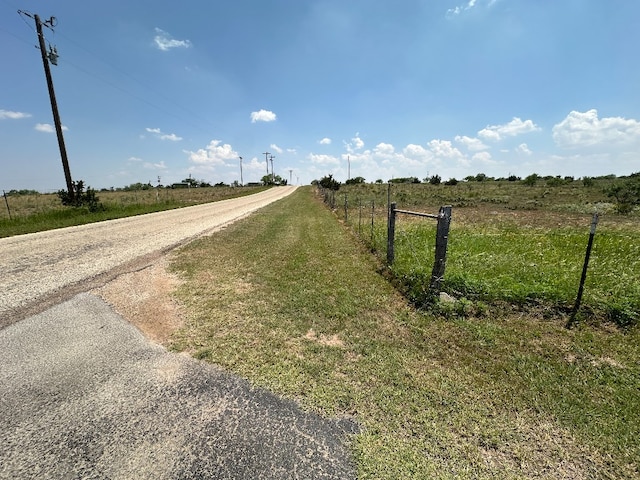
35, 213
286, 299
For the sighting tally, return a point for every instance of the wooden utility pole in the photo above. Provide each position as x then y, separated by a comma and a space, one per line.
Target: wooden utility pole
266, 159
52, 96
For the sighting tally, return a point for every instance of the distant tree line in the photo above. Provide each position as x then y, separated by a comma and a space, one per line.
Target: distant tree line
624, 190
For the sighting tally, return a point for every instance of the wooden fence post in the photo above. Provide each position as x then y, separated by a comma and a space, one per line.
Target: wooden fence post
346, 209
7, 202
391, 231
442, 237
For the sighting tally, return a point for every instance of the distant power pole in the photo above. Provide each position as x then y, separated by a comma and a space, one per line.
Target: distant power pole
241, 182
271, 158
290, 176
52, 57
348, 168
266, 159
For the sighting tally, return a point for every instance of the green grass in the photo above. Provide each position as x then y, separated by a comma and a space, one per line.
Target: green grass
287, 299
502, 253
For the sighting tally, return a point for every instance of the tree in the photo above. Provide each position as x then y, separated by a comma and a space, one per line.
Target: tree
273, 180
531, 180
329, 182
626, 193
435, 180
451, 181
355, 181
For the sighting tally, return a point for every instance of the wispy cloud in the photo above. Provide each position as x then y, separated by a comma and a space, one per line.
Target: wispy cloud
47, 128
164, 136
164, 41
468, 6
511, 129
325, 141
263, 116
276, 148
8, 114
355, 144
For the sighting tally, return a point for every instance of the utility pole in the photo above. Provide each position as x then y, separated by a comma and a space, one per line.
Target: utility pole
52, 57
290, 174
241, 182
348, 168
266, 159
272, 177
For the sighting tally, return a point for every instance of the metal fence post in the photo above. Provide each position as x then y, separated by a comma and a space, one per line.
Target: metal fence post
391, 231
442, 237
576, 307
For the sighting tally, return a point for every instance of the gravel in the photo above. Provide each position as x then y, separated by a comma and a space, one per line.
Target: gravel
45, 264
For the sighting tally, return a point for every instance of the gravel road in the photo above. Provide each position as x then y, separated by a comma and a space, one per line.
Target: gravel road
84, 394
37, 266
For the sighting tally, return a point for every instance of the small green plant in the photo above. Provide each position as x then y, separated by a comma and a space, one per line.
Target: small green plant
80, 197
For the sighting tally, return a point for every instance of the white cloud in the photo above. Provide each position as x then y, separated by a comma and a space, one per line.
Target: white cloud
323, 159
164, 136
467, 6
47, 128
585, 129
134, 159
262, 116
292, 150
524, 149
511, 129
484, 158
417, 151
165, 41
384, 149
155, 166
276, 148
325, 141
213, 154
445, 149
355, 144
4, 114
472, 144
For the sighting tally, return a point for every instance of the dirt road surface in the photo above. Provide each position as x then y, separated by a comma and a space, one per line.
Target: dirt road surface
42, 269
84, 394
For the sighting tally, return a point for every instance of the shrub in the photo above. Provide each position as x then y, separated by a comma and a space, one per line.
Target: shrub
81, 198
627, 194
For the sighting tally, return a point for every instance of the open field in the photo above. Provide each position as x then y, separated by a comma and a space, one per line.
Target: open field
292, 303
37, 212
509, 244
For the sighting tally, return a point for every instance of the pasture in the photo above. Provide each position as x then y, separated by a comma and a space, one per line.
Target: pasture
510, 245
289, 300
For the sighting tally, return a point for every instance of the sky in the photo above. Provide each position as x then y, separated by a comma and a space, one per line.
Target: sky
157, 91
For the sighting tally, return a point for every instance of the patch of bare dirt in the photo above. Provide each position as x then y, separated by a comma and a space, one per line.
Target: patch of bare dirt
143, 297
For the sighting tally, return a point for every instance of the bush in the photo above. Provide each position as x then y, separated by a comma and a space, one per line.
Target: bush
80, 198
627, 194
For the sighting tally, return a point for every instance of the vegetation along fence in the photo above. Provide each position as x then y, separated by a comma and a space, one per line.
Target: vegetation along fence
522, 249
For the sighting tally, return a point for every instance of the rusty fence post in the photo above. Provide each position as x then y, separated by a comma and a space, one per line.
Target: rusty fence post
391, 231
442, 238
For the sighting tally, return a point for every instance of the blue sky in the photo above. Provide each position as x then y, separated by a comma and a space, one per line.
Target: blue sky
389, 88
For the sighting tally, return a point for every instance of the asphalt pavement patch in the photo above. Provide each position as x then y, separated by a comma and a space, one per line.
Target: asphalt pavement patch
83, 394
